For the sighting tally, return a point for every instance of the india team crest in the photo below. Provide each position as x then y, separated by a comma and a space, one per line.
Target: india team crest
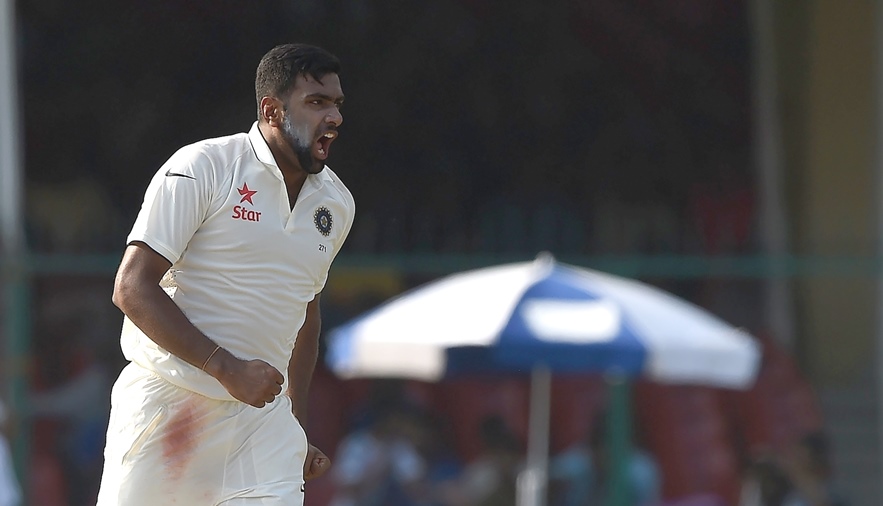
323, 220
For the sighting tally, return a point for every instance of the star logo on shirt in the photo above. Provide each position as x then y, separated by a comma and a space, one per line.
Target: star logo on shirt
246, 194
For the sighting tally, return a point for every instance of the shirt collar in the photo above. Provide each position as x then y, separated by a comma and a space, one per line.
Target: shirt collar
261, 149
263, 153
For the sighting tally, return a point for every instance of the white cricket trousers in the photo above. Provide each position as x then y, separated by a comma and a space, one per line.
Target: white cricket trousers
168, 445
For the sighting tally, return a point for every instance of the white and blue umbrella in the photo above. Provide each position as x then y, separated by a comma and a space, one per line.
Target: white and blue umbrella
516, 316
538, 317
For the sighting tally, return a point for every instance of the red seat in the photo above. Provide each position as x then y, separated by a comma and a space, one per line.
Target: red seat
686, 430
780, 407
328, 413
577, 399
47, 485
319, 492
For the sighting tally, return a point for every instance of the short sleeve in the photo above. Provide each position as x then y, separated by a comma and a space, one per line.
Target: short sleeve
175, 204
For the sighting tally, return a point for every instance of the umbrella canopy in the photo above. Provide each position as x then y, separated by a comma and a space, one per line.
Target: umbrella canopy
516, 316
543, 316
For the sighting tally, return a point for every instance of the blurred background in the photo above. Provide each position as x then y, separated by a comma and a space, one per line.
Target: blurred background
728, 152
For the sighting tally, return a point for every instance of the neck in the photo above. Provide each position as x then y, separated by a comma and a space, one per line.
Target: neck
292, 173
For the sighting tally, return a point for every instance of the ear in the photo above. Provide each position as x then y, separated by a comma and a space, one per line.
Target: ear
272, 111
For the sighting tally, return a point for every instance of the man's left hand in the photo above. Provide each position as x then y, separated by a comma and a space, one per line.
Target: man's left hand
316, 464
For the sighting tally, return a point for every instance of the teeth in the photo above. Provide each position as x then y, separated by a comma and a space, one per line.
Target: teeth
321, 151
329, 135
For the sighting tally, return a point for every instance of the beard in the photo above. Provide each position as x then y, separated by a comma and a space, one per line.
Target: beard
303, 149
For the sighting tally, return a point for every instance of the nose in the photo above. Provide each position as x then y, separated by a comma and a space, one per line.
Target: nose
334, 117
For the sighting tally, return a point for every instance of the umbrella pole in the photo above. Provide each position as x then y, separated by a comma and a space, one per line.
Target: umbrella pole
619, 418
533, 480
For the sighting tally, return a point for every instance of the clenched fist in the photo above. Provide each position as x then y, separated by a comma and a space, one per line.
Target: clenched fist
253, 382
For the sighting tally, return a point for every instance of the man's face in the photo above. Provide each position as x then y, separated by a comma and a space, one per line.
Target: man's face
311, 118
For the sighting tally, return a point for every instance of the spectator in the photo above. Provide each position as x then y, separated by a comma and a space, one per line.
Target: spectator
800, 476
489, 480
80, 406
378, 465
765, 483
443, 466
579, 475
808, 467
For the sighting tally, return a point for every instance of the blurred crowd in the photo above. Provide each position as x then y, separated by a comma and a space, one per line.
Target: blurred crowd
399, 451
462, 443
800, 476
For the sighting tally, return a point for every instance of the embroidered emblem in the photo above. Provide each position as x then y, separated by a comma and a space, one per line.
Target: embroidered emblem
246, 193
323, 220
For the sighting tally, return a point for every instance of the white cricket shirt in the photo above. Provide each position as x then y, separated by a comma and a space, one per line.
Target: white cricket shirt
244, 264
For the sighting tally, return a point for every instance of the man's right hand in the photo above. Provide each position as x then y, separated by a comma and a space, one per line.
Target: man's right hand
253, 382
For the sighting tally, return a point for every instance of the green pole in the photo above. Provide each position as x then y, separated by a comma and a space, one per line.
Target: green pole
619, 430
17, 364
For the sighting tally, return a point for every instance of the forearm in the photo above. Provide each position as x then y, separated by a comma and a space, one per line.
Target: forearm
303, 362
300, 373
137, 293
157, 315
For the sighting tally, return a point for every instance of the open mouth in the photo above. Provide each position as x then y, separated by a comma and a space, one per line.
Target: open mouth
324, 143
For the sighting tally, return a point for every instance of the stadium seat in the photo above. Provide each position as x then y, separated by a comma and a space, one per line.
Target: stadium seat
780, 407
47, 485
577, 399
686, 430
328, 413
319, 492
